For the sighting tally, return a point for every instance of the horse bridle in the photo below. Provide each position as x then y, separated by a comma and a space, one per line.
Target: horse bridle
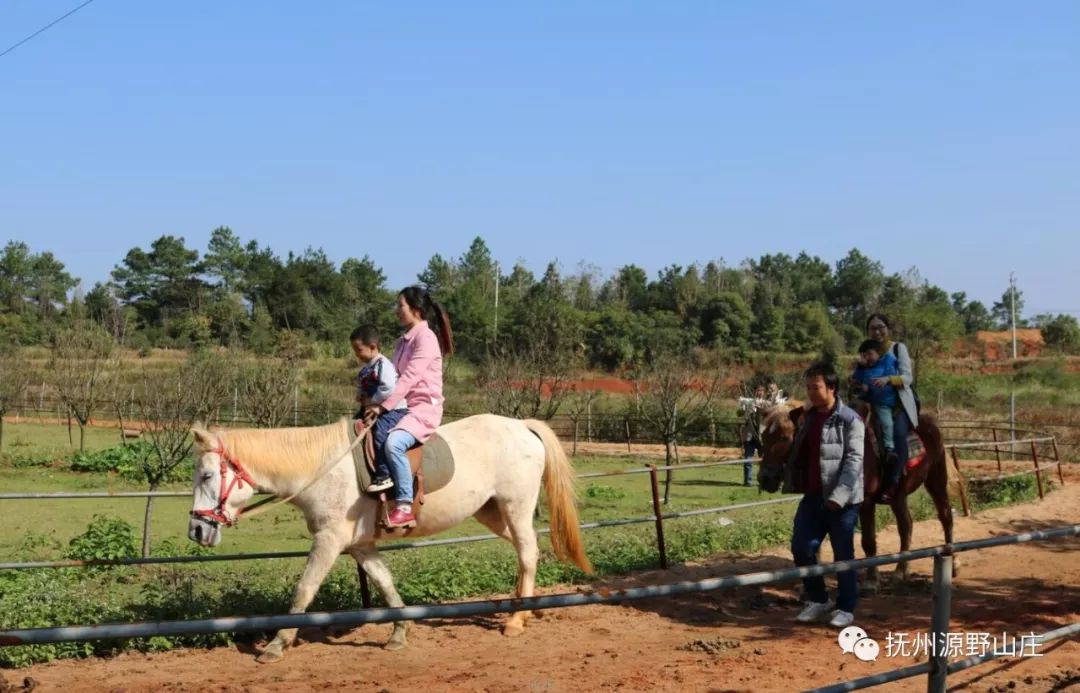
220, 515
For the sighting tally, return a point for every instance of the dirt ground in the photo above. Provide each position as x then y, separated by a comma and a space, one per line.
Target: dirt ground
737, 640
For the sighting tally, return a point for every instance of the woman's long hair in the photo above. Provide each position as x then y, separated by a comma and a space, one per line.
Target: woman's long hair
421, 301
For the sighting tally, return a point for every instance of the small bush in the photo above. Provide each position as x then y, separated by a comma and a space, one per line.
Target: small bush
125, 460
599, 492
992, 493
105, 538
29, 460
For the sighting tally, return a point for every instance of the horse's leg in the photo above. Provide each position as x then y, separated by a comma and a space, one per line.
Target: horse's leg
937, 485
324, 551
868, 520
491, 517
903, 526
518, 516
373, 564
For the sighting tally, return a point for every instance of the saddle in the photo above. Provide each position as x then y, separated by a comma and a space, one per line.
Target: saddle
431, 464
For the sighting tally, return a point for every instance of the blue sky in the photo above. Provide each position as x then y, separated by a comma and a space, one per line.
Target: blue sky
940, 135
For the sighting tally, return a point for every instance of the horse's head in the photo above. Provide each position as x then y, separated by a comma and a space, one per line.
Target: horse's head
780, 423
221, 488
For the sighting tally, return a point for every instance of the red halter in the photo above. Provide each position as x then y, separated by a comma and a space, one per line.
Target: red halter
220, 515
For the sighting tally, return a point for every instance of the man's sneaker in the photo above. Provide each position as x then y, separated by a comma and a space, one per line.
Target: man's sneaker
841, 619
400, 518
814, 611
379, 484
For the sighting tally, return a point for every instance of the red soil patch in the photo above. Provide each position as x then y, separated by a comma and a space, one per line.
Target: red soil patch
998, 345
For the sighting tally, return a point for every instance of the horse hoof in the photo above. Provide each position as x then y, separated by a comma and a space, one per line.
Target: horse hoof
398, 639
512, 630
270, 655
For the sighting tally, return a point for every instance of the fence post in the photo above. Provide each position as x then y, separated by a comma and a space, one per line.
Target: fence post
627, 422
296, 405
659, 516
365, 590
588, 421
961, 482
1038, 472
1057, 458
939, 622
574, 452
997, 450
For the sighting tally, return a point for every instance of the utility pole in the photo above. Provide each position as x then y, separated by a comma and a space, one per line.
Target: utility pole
1012, 309
1012, 390
497, 277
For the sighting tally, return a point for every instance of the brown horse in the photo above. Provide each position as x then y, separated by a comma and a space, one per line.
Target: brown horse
781, 423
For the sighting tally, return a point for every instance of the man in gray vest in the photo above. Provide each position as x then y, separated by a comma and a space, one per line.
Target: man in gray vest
826, 466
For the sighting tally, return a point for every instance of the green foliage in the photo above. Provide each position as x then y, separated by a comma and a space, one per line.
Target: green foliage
973, 315
127, 461
724, 320
1012, 302
26, 460
45, 598
106, 538
600, 492
991, 493
616, 338
962, 391
1048, 374
857, 286
241, 294
1061, 332
808, 329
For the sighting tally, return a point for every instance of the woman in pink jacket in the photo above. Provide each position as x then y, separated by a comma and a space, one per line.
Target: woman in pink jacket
418, 358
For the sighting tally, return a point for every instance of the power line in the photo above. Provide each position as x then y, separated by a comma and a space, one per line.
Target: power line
46, 27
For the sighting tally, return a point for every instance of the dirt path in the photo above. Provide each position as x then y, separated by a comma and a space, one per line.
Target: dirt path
740, 640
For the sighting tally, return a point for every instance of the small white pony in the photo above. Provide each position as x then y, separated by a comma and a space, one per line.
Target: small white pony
499, 465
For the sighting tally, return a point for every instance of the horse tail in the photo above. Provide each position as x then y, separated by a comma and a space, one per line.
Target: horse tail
562, 498
934, 445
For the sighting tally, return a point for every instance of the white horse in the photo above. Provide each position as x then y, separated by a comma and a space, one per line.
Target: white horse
499, 465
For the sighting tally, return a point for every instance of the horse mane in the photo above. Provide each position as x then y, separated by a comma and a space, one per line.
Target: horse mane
283, 452
777, 419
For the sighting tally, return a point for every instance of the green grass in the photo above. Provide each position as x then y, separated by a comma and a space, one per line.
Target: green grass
41, 438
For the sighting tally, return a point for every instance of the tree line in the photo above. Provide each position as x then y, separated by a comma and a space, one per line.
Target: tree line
244, 295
